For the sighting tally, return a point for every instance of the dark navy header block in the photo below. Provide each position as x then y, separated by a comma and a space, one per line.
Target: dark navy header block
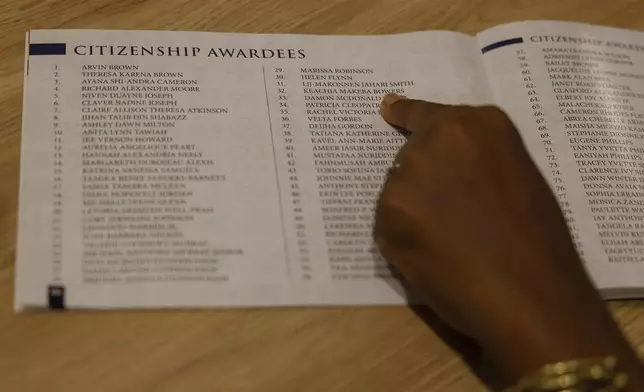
56, 296
500, 44
47, 49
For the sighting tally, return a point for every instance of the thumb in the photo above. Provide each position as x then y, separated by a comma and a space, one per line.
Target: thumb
411, 115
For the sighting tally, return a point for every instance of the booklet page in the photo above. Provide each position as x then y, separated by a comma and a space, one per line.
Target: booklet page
576, 93
173, 169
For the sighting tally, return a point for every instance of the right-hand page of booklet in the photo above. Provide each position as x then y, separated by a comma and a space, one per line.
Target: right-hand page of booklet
576, 93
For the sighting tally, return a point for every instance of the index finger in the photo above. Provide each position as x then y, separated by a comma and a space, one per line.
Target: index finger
412, 115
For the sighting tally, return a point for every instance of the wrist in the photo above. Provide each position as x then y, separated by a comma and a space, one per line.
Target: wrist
535, 339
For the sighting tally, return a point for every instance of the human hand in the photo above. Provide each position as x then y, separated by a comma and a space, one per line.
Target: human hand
473, 228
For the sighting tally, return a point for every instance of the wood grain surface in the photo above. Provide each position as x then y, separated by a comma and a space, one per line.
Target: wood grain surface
299, 350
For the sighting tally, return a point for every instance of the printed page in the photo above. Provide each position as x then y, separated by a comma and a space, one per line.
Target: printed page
176, 169
576, 92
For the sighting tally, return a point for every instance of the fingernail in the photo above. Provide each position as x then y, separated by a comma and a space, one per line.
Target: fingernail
388, 100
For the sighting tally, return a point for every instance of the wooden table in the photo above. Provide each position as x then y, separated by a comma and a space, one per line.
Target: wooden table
352, 350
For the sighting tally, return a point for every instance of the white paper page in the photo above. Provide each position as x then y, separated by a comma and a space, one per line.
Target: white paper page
576, 93
164, 173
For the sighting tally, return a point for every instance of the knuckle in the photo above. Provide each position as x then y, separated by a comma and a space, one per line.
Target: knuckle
391, 209
391, 197
412, 159
412, 156
453, 122
395, 221
493, 111
498, 120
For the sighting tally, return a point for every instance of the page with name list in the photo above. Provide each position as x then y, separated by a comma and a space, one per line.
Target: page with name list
576, 92
179, 169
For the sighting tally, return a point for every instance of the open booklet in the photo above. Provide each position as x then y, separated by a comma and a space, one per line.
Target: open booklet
194, 169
